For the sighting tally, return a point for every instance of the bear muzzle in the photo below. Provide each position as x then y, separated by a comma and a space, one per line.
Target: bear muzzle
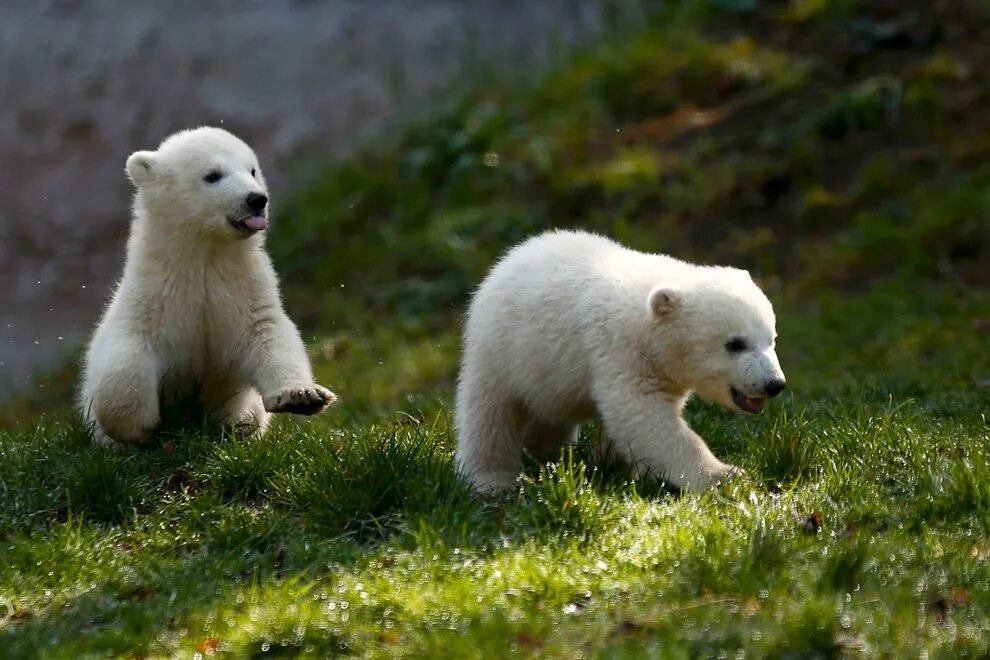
249, 224
750, 404
755, 404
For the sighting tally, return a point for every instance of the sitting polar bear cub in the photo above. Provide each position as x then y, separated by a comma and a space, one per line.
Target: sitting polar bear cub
198, 305
568, 324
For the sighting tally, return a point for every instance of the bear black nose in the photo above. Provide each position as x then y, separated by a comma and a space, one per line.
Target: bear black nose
775, 387
256, 201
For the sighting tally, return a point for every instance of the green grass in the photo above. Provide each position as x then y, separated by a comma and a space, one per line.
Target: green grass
850, 178
863, 527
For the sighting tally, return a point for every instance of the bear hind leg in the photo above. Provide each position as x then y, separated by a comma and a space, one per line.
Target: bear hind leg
243, 410
489, 442
122, 395
544, 440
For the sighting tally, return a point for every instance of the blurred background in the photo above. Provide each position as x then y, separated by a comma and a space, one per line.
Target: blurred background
836, 148
86, 83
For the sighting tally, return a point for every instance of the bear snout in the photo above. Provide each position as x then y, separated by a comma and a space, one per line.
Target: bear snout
256, 201
774, 387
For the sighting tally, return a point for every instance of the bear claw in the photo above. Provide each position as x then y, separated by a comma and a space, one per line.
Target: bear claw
729, 473
307, 400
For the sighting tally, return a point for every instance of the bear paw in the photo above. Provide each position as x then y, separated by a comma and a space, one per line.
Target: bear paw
124, 426
727, 472
307, 400
253, 425
101, 439
492, 483
708, 477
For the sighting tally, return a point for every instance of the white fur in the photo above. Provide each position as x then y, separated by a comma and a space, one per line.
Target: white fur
198, 305
569, 324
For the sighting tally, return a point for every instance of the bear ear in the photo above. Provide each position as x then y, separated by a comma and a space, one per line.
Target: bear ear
664, 302
140, 166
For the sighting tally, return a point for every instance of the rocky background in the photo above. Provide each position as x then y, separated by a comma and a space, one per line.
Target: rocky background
86, 82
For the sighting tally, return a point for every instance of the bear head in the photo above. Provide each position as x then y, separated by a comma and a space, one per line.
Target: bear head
717, 336
203, 180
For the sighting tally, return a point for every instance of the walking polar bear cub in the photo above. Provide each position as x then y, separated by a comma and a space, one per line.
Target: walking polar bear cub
198, 305
568, 324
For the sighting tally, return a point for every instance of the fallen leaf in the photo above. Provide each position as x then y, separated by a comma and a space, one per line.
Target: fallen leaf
387, 637
208, 646
940, 607
529, 640
750, 606
812, 523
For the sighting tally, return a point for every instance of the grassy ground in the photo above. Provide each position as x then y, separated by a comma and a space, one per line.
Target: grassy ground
836, 150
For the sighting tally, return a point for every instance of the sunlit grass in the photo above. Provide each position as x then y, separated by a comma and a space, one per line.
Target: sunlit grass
367, 540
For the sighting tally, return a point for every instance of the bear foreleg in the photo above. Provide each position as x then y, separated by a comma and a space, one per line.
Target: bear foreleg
647, 430
121, 392
280, 369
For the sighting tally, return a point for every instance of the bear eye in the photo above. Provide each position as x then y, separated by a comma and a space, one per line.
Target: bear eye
735, 345
252, 171
213, 176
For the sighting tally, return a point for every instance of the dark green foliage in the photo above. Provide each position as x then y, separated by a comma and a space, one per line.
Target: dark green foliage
370, 482
567, 500
245, 469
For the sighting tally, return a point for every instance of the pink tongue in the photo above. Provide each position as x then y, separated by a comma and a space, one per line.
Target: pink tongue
755, 403
255, 223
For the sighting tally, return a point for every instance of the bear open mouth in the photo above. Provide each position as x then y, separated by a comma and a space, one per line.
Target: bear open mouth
751, 404
250, 224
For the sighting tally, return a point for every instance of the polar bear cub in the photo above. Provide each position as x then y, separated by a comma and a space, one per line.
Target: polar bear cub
569, 324
198, 306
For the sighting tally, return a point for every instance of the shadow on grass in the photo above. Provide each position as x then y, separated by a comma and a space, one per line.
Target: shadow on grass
200, 513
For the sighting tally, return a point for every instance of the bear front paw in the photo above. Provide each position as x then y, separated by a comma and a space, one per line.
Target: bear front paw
307, 400
705, 477
727, 472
